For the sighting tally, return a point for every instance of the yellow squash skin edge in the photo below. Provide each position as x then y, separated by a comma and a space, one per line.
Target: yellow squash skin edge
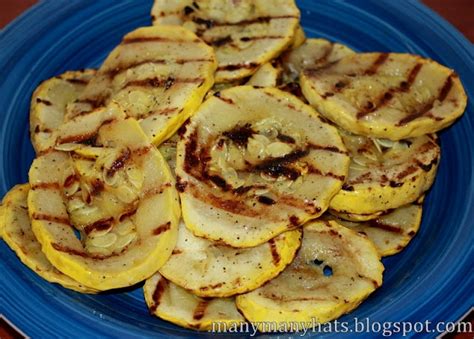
371, 199
34, 261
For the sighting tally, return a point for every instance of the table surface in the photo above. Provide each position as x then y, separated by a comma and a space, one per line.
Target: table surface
460, 13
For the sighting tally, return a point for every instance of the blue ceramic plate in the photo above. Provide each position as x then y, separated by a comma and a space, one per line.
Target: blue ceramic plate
430, 280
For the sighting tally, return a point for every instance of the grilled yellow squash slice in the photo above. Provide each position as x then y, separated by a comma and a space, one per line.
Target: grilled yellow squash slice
386, 174
158, 74
389, 232
49, 103
210, 269
334, 271
245, 34
18, 235
119, 194
312, 54
386, 95
178, 306
266, 76
255, 162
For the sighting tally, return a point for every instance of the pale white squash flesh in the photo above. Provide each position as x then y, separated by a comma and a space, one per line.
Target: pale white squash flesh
16, 232
211, 269
172, 303
253, 163
119, 194
245, 34
334, 271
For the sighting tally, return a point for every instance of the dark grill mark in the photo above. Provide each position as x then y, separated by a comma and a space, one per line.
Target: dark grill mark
333, 149
386, 227
157, 294
82, 82
162, 228
155, 39
395, 184
112, 73
317, 171
347, 187
71, 179
164, 111
280, 166
240, 134
424, 110
182, 128
46, 186
93, 102
100, 225
227, 100
51, 218
235, 67
404, 86
128, 214
97, 187
407, 172
262, 37
427, 167
295, 89
119, 163
200, 310
294, 220
221, 41
218, 181
165, 83
273, 249
265, 200
205, 288
376, 64
176, 252
43, 101
285, 138
258, 20
180, 185
188, 10
191, 159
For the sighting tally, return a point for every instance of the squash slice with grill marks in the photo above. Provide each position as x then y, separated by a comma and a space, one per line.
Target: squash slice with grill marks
211, 269
390, 232
334, 271
266, 76
386, 174
119, 194
386, 95
178, 306
49, 104
18, 235
312, 54
245, 34
158, 74
253, 163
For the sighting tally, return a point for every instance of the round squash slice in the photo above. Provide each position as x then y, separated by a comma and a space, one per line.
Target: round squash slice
49, 103
245, 34
253, 163
334, 271
211, 269
386, 95
178, 306
390, 232
118, 194
386, 174
18, 235
158, 74
312, 54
